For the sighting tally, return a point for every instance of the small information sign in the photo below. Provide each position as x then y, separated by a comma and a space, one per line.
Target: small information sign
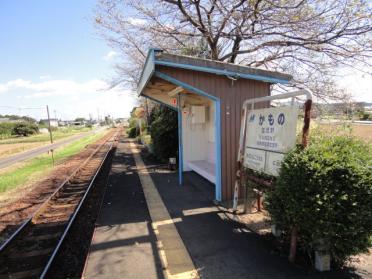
254, 159
273, 162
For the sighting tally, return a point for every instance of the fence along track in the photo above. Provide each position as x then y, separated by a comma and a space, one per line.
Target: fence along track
29, 252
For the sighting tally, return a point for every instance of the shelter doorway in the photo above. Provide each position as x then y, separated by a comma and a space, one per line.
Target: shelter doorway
199, 135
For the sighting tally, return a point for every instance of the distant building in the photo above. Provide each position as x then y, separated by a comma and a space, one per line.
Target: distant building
6, 119
2, 120
62, 123
53, 122
340, 108
78, 123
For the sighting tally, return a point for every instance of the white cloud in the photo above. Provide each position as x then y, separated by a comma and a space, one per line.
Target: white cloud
45, 77
110, 55
358, 85
68, 97
137, 21
18, 83
3, 88
53, 87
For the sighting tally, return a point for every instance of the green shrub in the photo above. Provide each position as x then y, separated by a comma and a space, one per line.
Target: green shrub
164, 132
146, 139
364, 115
25, 129
132, 132
133, 122
6, 129
325, 191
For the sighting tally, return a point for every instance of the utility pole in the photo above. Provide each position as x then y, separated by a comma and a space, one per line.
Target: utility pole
50, 133
147, 112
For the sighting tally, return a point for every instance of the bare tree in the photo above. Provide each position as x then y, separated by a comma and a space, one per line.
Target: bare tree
308, 38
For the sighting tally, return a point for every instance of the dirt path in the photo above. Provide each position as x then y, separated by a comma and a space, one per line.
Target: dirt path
8, 161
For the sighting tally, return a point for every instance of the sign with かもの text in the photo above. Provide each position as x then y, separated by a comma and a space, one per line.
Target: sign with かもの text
270, 133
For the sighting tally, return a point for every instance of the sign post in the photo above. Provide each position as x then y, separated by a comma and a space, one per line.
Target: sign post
50, 133
266, 135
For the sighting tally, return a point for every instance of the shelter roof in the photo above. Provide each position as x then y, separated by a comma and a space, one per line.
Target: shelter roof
157, 57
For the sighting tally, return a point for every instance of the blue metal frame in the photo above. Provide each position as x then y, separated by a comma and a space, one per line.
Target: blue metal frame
147, 71
184, 85
180, 146
218, 148
218, 188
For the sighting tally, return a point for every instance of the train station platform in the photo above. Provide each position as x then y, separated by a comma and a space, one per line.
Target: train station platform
123, 245
150, 227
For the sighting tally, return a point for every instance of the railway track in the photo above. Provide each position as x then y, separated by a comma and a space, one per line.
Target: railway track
30, 251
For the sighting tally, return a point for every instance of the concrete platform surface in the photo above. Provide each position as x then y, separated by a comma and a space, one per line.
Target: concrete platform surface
126, 242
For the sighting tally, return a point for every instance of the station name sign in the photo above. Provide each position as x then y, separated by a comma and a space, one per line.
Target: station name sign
270, 133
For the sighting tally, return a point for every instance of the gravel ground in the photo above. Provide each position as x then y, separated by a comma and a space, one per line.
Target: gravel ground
72, 255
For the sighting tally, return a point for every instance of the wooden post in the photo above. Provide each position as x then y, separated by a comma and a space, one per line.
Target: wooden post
305, 134
293, 247
240, 159
50, 133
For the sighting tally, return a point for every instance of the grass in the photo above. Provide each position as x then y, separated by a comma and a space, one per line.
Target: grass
58, 134
40, 165
361, 131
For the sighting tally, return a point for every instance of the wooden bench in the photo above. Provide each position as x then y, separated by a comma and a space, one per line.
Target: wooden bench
204, 168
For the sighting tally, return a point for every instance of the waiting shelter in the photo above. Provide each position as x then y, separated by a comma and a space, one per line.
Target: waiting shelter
208, 96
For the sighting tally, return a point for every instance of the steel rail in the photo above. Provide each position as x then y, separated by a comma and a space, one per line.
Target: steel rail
25, 223
77, 210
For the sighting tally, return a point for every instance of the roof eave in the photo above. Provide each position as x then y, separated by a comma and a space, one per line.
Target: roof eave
147, 71
223, 72
151, 62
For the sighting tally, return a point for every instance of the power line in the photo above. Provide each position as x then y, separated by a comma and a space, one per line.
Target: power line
22, 108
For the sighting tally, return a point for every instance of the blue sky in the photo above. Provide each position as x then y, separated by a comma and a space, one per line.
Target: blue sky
51, 54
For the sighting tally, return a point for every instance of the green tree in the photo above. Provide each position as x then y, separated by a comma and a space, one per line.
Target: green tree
164, 132
25, 129
310, 39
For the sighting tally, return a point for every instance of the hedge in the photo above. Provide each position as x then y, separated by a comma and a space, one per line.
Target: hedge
25, 129
325, 191
164, 132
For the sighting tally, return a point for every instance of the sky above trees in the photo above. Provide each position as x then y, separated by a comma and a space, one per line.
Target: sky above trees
50, 53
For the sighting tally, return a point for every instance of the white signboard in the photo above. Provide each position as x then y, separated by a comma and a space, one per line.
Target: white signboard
254, 159
273, 162
270, 133
272, 129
